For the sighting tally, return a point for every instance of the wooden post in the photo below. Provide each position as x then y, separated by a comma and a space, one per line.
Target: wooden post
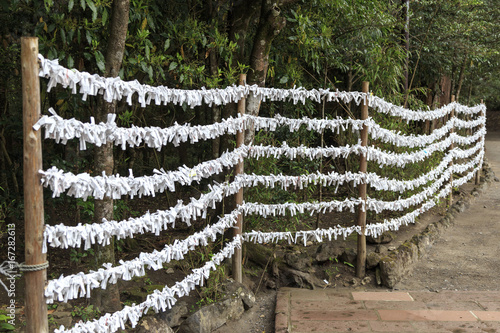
35, 306
240, 137
361, 255
478, 173
452, 114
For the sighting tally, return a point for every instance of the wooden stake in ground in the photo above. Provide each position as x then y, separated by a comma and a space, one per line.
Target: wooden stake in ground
35, 306
240, 137
361, 255
478, 173
452, 114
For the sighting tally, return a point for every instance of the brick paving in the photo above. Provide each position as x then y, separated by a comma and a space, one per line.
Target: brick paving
333, 310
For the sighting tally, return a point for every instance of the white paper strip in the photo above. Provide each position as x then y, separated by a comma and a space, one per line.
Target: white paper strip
100, 233
373, 229
80, 285
117, 89
115, 186
63, 130
157, 301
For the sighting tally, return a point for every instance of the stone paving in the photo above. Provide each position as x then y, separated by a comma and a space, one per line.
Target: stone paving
334, 310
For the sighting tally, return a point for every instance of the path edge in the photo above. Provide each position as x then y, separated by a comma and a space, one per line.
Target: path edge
399, 263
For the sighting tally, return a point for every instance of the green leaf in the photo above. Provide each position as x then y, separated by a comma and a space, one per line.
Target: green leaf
173, 65
93, 8
166, 45
150, 72
284, 79
63, 36
82, 4
71, 3
99, 58
70, 61
147, 51
6, 327
89, 38
104, 16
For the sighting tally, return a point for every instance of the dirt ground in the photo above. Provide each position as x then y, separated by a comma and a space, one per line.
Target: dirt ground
466, 257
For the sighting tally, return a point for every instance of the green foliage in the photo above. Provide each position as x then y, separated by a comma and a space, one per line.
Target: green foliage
76, 255
5, 326
122, 210
87, 208
211, 291
86, 313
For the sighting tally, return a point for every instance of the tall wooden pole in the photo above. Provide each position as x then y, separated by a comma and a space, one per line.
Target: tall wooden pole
240, 137
361, 255
35, 306
478, 173
452, 114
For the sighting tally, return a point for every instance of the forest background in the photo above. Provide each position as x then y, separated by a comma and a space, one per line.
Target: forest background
414, 53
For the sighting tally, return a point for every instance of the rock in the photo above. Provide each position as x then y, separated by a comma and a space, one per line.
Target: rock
61, 314
213, 316
299, 261
385, 238
380, 249
64, 321
349, 255
63, 307
326, 252
153, 324
398, 264
377, 276
233, 288
259, 254
170, 271
366, 280
372, 260
303, 279
271, 284
176, 315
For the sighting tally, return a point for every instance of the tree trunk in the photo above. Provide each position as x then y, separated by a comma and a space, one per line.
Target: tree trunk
429, 102
242, 13
108, 300
270, 25
461, 76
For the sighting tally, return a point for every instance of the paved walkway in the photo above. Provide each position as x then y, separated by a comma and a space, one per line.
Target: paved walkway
331, 310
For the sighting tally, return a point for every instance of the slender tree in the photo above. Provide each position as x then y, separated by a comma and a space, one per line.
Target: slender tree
109, 299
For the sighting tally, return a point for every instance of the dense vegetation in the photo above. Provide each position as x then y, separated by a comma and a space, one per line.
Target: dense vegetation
453, 45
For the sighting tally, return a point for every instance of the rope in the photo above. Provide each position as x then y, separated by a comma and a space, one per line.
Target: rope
8, 268
33, 268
